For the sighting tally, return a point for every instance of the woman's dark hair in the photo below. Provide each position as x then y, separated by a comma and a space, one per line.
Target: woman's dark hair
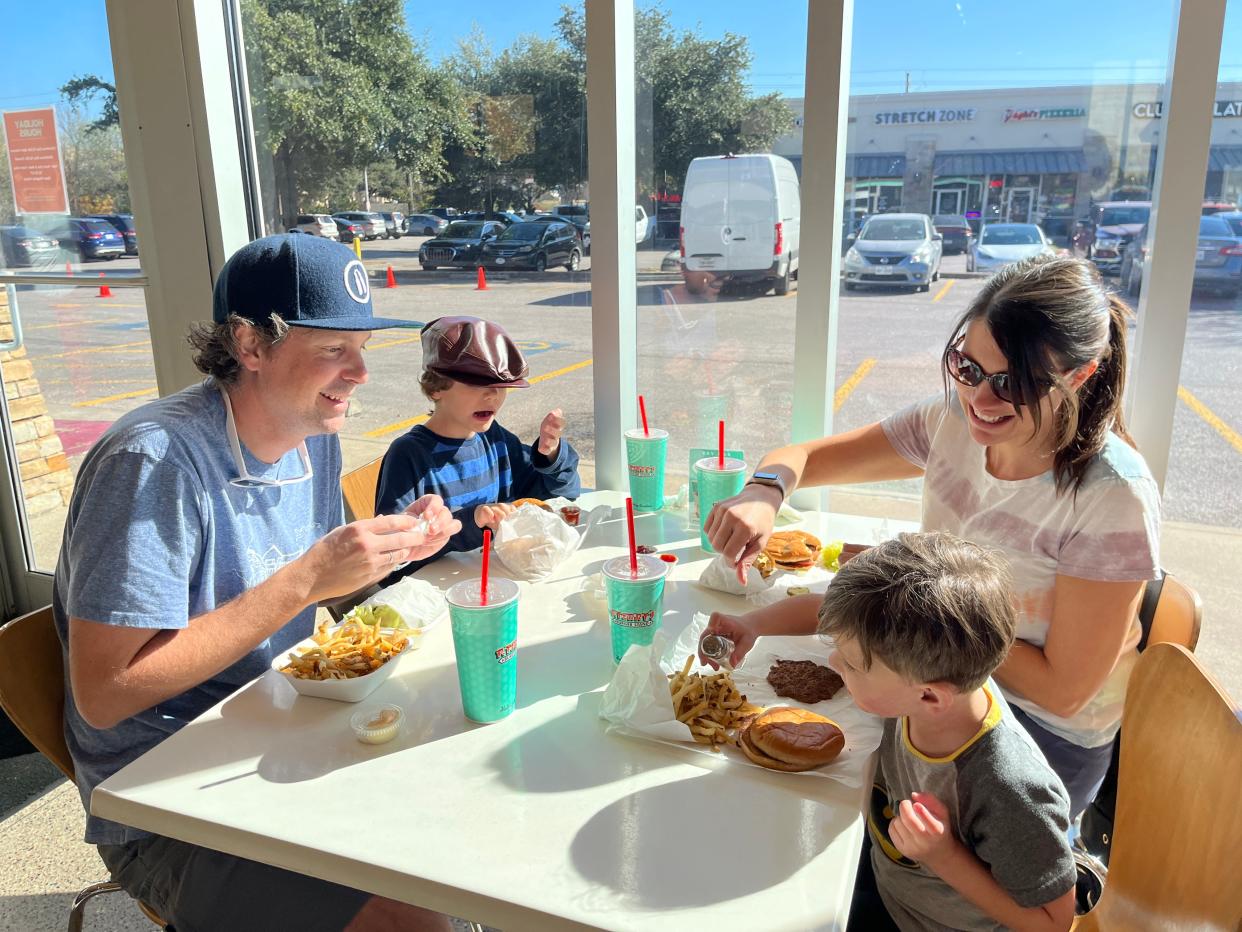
1051, 315
215, 345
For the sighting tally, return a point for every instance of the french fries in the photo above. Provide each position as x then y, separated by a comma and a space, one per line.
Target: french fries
709, 704
352, 649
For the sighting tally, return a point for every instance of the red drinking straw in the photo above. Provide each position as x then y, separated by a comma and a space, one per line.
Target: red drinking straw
642, 409
629, 523
720, 444
487, 549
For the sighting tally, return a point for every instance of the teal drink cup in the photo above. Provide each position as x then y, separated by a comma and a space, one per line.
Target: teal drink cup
645, 455
716, 484
485, 642
635, 603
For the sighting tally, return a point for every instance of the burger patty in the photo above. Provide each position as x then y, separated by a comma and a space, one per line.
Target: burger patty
803, 680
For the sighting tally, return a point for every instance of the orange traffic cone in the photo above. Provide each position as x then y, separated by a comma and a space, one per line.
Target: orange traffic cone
68, 268
392, 279
104, 290
482, 285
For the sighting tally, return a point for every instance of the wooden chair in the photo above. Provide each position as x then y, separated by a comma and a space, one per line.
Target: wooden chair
32, 695
358, 487
1178, 615
1178, 824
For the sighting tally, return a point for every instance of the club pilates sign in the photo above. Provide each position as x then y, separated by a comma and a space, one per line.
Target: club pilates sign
1221, 109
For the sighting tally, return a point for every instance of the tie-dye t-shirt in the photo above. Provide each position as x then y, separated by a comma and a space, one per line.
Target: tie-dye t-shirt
1108, 531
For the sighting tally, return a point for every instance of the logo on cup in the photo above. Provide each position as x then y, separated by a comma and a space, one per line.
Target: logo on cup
645, 472
632, 619
505, 654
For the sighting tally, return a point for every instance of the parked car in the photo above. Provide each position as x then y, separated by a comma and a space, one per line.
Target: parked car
1218, 258
1234, 219
124, 224
956, 232
424, 224
372, 223
349, 230
895, 250
444, 213
393, 223
1113, 225
577, 213
508, 218
22, 246
316, 225
460, 245
644, 226
534, 246
1218, 207
1003, 244
741, 218
583, 232
89, 239
668, 222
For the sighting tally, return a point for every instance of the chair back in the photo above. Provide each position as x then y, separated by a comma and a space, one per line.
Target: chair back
1177, 823
359, 487
32, 686
1178, 616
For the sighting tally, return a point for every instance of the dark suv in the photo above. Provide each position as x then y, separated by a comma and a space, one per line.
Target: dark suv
534, 246
124, 224
90, 239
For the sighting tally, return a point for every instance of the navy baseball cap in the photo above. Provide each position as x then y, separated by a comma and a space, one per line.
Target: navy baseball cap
309, 281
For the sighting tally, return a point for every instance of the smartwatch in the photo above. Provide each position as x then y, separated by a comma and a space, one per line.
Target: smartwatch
769, 478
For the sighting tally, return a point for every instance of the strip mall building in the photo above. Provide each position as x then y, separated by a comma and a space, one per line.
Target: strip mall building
1028, 155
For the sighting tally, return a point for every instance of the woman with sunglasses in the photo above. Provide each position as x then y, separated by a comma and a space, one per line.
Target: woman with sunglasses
1029, 455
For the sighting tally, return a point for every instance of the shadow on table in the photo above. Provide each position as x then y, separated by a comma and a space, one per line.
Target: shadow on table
661, 846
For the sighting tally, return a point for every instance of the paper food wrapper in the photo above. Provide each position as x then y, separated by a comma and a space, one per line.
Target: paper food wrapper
418, 602
637, 701
532, 543
719, 575
817, 579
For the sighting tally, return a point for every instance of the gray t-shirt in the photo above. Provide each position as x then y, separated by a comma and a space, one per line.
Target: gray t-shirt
1005, 805
156, 535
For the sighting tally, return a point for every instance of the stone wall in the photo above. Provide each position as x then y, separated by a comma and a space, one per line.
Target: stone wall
47, 480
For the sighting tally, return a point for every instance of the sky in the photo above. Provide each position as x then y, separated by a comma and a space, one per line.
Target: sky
940, 44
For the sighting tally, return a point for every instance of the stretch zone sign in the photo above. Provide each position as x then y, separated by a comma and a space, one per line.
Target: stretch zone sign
931, 115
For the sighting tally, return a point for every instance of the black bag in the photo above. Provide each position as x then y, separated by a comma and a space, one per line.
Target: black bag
1096, 829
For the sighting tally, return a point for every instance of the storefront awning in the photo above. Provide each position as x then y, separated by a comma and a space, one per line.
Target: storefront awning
1011, 162
875, 165
1221, 158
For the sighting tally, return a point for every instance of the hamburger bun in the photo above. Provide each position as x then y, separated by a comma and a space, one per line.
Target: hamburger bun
793, 550
790, 739
538, 503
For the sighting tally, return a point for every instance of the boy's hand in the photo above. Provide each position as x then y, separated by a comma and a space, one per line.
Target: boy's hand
491, 515
736, 630
550, 432
921, 830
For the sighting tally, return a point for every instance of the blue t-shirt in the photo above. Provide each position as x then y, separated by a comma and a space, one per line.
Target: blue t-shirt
156, 535
494, 466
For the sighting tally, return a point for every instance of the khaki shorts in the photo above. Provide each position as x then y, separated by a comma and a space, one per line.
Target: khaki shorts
200, 890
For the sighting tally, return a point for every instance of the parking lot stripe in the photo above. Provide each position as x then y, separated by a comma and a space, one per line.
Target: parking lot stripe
945, 290
73, 323
93, 349
388, 343
851, 383
410, 422
120, 397
1232, 437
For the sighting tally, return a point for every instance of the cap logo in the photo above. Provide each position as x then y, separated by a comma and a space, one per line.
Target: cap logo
356, 284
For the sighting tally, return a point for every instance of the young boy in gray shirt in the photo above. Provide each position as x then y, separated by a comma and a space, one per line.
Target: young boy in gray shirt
967, 823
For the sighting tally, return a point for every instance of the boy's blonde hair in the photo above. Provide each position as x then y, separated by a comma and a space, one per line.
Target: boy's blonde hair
932, 607
431, 382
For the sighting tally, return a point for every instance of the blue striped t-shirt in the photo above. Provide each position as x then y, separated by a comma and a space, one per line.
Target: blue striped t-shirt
494, 466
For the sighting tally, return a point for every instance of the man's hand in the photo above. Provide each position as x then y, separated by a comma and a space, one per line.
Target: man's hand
441, 525
550, 433
921, 831
738, 527
737, 630
489, 516
355, 555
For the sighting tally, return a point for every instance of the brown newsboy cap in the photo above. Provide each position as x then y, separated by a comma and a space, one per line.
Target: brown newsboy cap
474, 351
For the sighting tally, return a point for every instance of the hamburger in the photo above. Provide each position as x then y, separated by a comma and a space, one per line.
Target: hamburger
538, 503
792, 550
792, 740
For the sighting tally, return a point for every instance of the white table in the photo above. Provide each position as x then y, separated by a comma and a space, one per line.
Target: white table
541, 821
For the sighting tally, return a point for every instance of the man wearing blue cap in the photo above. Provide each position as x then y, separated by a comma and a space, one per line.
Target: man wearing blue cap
204, 529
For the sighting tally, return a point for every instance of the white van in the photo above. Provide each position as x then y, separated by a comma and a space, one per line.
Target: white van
740, 221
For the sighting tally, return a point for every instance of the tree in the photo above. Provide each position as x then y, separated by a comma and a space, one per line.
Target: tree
371, 97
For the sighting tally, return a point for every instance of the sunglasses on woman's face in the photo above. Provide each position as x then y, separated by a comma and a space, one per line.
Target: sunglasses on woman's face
971, 374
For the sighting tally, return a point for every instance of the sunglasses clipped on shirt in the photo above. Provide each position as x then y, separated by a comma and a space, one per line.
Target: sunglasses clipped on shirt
244, 480
965, 370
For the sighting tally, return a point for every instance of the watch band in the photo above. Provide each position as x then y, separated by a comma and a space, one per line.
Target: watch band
772, 480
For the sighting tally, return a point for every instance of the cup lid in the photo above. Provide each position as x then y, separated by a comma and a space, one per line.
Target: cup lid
654, 433
713, 463
467, 593
649, 567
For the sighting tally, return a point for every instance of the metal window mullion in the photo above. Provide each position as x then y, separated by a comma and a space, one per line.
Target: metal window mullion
826, 118
611, 165
1168, 277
